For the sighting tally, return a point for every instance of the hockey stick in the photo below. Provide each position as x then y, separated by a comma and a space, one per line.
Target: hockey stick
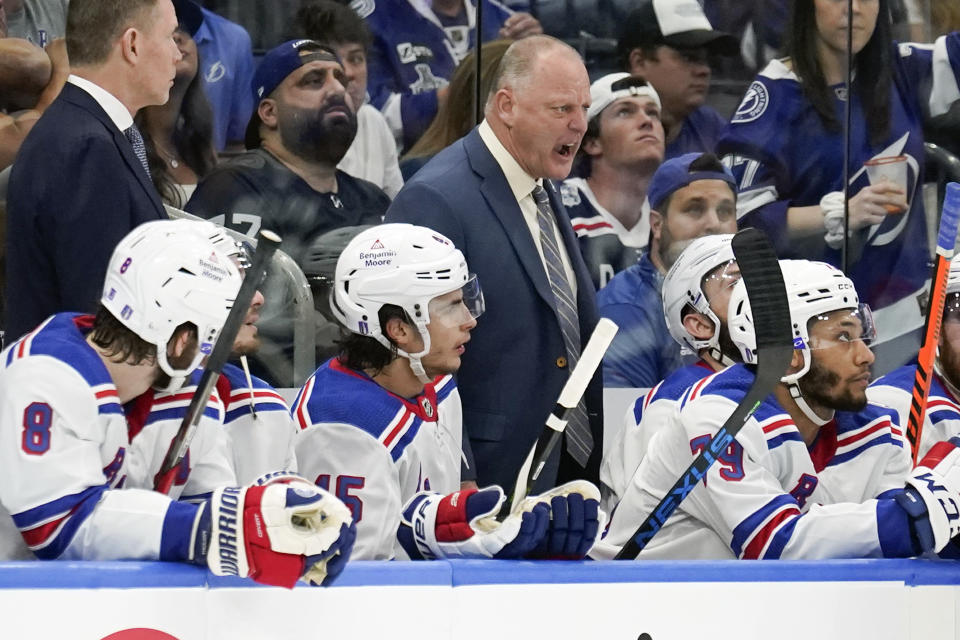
573, 390
845, 248
771, 320
478, 81
267, 243
931, 334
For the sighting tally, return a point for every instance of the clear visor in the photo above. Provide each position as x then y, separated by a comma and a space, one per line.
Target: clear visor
723, 276
459, 307
842, 327
951, 308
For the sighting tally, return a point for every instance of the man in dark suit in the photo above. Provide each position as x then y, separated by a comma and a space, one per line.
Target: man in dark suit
486, 193
80, 182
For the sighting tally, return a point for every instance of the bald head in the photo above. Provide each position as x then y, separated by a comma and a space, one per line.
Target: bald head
520, 65
538, 108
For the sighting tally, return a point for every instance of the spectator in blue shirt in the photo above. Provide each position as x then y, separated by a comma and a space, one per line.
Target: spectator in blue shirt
690, 197
667, 42
226, 58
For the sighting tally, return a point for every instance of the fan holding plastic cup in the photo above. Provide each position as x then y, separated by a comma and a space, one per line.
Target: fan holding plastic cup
893, 171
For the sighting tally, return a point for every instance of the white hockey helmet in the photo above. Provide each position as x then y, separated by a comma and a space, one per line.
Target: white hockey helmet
814, 289
168, 272
682, 286
403, 265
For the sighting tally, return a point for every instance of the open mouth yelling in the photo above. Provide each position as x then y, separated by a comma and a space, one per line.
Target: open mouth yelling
566, 150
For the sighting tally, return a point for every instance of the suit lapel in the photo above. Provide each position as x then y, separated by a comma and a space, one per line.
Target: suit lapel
77, 96
499, 196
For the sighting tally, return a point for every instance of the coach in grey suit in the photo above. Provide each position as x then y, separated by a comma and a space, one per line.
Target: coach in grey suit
78, 184
479, 192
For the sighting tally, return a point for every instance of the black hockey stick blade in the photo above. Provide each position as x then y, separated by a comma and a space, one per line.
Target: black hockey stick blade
267, 243
771, 320
573, 389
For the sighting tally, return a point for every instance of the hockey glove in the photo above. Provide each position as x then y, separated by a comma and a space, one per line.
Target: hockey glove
275, 533
576, 520
932, 496
463, 525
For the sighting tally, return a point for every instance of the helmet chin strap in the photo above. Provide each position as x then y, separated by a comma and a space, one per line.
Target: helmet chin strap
177, 377
797, 395
721, 357
416, 365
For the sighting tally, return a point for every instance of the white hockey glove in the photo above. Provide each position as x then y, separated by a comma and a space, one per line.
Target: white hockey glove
932, 496
832, 207
462, 525
576, 520
275, 533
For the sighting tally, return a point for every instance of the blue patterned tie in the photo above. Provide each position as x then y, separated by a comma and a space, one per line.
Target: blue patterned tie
136, 141
579, 438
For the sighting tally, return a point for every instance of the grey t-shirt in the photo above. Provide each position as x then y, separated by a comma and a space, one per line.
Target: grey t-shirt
39, 21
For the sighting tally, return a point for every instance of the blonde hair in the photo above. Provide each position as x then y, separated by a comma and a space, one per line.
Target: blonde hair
944, 16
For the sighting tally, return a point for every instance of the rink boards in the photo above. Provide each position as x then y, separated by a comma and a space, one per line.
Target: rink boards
480, 600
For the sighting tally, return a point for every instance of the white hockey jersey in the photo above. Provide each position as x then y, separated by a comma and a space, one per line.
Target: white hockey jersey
941, 420
643, 418
259, 427
76, 467
769, 495
376, 450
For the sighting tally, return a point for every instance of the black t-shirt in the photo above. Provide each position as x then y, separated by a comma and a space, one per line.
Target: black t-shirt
256, 190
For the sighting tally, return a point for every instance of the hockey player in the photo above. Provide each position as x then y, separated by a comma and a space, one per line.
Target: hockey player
690, 196
622, 148
259, 427
257, 432
942, 416
381, 423
816, 472
73, 445
695, 293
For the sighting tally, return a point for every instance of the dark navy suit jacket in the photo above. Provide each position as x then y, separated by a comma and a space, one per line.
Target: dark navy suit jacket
514, 365
76, 188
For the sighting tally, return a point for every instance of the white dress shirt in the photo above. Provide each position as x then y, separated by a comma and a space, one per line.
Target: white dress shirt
522, 186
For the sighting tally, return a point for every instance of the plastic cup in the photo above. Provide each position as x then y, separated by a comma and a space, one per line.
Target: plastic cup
890, 169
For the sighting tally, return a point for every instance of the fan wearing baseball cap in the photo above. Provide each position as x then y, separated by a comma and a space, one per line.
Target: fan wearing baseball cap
690, 197
622, 147
668, 43
288, 180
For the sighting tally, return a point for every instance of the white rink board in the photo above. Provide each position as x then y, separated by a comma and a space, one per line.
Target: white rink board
480, 600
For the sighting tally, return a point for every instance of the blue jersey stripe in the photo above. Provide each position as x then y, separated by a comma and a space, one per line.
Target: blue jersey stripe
743, 531
400, 445
110, 408
177, 413
29, 518
849, 455
781, 538
792, 436
244, 410
893, 528
65, 536
176, 532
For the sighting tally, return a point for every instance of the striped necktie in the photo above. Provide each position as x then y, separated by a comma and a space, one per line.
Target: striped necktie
579, 439
136, 141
